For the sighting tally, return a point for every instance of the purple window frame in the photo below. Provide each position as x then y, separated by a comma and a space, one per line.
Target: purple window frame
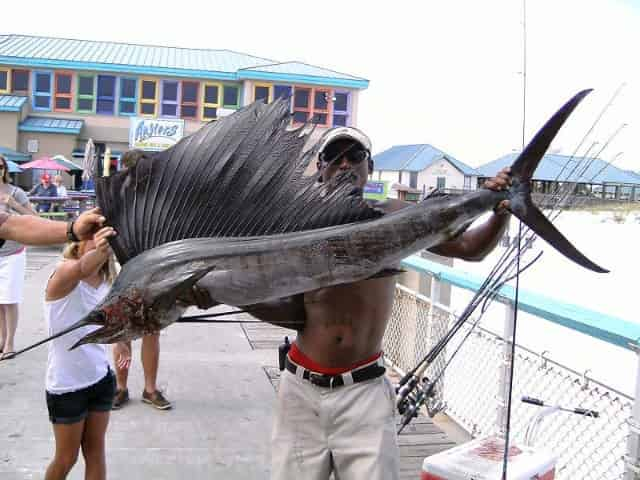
175, 102
346, 112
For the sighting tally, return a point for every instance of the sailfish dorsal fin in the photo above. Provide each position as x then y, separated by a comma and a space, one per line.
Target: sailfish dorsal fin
242, 175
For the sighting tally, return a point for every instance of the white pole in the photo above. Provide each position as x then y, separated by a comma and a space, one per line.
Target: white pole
436, 286
632, 463
503, 384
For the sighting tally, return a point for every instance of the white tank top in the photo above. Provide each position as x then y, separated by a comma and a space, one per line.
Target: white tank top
68, 371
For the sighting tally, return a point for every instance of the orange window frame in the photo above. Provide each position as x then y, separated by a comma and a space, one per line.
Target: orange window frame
327, 112
57, 95
187, 103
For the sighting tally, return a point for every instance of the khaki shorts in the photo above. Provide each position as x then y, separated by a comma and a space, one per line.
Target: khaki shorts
349, 431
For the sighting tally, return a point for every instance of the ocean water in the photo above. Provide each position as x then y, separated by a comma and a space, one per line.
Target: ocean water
610, 244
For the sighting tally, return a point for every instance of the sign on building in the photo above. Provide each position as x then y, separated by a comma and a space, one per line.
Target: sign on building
376, 189
154, 134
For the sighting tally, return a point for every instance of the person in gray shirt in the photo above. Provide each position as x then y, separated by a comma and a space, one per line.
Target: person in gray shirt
13, 201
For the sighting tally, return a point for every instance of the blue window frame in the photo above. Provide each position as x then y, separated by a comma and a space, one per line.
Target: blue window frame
42, 85
128, 96
106, 103
169, 96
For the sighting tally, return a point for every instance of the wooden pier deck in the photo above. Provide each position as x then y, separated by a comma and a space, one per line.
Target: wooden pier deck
419, 439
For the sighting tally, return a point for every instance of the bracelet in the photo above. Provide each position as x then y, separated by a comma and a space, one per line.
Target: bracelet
71, 235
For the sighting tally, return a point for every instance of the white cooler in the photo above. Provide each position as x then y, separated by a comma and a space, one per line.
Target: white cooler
481, 459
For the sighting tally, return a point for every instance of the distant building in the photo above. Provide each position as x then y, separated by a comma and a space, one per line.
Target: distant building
57, 93
423, 168
593, 177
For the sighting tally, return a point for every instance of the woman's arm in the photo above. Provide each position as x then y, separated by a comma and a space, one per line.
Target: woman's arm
70, 272
20, 203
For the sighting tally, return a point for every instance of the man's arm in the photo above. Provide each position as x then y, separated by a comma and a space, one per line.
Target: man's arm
285, 312
473, 245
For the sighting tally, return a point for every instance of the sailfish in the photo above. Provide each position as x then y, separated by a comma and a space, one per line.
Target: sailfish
230, 211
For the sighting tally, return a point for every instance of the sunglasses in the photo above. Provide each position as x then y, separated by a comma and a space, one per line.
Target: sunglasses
354, 155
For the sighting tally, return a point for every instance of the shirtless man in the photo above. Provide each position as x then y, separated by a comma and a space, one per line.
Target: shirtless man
335, 406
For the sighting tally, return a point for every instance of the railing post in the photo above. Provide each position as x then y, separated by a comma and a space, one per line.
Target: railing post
436, 286
632, 459
505, 369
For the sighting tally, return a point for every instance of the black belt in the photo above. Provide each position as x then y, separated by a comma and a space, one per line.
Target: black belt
369, 372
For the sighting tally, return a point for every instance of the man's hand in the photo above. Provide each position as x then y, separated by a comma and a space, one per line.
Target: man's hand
501, 181
88, 223
122, 355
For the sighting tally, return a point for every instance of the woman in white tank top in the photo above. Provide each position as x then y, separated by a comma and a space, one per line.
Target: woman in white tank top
79, 383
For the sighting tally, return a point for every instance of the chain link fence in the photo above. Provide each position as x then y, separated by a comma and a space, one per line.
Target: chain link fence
587, 447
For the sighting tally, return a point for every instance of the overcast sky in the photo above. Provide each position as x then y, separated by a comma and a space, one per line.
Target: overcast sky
446, 73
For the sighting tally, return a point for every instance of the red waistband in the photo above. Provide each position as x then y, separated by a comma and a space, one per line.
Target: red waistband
301, 359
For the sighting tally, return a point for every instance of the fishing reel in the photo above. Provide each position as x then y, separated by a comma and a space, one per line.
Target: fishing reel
412, 393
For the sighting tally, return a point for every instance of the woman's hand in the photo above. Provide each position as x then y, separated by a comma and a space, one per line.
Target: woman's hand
100, 239
122, 355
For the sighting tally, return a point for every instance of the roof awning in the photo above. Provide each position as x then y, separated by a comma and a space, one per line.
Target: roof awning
51, 125
11, 103
14, 156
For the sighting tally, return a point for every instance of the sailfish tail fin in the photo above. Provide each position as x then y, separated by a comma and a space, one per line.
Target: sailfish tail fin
521, 204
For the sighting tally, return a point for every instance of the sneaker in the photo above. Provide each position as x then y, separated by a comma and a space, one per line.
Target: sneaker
156, 399
122, 397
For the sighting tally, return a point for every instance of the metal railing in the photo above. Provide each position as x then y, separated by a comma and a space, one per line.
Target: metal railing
587, 448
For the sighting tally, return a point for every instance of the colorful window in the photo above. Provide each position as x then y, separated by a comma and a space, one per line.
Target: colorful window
63, 92
341, 108
230, 96
128, 96
189, 100
281, 91
262, 91
106, 101
148, 97
20, 81
322, 100
4, 80
301, 104
86, 94
169, 104
42, 91
210, 101
312, 104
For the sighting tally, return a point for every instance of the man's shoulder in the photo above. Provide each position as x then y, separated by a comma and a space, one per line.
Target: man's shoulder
389, 205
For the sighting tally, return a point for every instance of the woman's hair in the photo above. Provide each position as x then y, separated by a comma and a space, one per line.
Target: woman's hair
108, 270
5, 174
56, 178
131, 158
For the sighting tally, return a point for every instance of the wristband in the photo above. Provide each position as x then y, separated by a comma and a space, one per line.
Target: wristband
71, 236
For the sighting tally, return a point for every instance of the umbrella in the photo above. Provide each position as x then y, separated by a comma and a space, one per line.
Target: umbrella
88, 160
60, 159
13, 167
44, 163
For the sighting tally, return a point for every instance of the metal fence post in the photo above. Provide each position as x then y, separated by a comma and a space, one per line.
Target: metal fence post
436, 286
505, 367
632, 459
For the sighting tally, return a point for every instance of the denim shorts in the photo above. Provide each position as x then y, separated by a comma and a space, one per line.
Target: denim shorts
72, 407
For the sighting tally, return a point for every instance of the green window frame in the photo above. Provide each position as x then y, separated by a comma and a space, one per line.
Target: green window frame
85, 97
